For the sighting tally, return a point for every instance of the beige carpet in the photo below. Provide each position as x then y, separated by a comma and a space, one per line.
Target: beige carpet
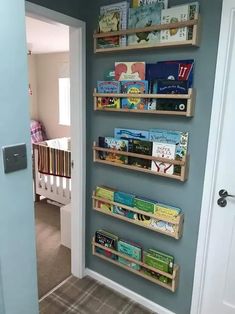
53, 259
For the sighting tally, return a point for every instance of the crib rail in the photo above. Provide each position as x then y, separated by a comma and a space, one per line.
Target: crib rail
52, 187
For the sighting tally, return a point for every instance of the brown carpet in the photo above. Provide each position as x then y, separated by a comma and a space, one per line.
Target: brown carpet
88, 296
53, 259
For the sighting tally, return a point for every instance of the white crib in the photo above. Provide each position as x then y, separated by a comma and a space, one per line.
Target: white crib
52, 187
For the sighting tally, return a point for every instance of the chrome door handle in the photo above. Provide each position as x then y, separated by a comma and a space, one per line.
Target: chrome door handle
222, 200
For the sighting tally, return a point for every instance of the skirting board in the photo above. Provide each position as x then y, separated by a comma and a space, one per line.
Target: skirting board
127, 292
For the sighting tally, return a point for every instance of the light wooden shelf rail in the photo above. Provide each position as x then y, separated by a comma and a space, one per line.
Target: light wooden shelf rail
182, 163
176, 221
174, 277
192, 42
190, 97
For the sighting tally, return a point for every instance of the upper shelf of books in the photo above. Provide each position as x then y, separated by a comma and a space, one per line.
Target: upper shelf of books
146, 24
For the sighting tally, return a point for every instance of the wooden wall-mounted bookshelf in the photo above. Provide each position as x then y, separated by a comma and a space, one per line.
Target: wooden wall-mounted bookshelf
190, 97
192, 42
176, 221
182, 163
174, 278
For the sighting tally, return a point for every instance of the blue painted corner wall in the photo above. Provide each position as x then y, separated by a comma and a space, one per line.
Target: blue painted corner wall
186, 195
18, 288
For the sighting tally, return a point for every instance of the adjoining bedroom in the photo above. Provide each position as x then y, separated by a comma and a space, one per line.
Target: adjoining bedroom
49, 99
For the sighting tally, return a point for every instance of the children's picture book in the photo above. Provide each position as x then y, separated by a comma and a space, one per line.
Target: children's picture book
180, 139
170, 87
123, 212
131, 133
108, 103
129, 71
115, 144
145, 16
134, 87
139, 3
109, 75
132, 250
178, 70
122, 8
163, 150
176, 14
109, 22
140, 147
107, 240
108, 87
139, 162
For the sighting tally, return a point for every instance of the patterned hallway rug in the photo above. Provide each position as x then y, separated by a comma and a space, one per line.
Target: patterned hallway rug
88, 296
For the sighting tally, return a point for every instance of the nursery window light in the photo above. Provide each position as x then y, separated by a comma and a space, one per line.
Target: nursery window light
64, 101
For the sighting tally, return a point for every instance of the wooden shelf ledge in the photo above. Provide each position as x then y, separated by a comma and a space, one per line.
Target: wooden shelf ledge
173, 277
176, 221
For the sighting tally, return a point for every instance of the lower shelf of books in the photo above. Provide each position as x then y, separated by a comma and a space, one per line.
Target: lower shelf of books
172, 227
161, 278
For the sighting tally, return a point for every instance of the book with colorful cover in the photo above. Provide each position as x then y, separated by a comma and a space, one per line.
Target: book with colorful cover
140, 3
122, 8
163, 150
140, 147
108, 103
176, 14
178, 138
145, 16
115, 144
178, 70
108, 22
129, 71
131, 133
108, 87
134, 87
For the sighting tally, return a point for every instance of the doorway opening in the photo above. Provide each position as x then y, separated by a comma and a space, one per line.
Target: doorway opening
56, 89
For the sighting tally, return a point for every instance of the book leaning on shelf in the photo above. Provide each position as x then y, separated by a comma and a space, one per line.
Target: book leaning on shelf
109, 22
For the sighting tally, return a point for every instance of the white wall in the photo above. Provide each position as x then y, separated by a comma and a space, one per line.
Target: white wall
45, 70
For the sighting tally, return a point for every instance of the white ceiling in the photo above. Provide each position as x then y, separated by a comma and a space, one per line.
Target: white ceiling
45, 37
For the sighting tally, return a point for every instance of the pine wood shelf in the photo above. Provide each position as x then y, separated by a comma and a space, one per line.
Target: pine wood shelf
192, 42
174, 277
183, 163
176, 221
190, 97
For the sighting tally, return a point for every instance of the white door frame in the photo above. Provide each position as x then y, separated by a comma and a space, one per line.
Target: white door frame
78, 127
216, 126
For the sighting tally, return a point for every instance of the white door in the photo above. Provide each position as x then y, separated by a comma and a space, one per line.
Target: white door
219, 285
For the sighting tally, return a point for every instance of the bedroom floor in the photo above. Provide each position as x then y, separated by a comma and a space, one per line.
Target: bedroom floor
88, 296
53, 259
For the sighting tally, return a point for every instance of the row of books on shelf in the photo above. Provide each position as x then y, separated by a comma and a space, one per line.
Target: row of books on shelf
152, 257
162, 212
155, 142
141, 14
165, 77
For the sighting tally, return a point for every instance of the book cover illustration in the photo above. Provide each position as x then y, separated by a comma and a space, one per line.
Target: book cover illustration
105, 206
122, 8
176, 14
108, 22
123, 212
131, 133
180, 139
139, 3
107, 240
140, 147
170, 87
145, 16
109, 75
108, 87
116, 144
132, 250
163, 150
134, 87
108, 103
139, 162
129, 71
177, 70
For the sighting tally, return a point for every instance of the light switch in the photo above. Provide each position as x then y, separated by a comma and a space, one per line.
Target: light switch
14, 157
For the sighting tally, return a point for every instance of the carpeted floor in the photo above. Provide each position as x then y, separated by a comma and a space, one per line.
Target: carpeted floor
53, 259
88, 296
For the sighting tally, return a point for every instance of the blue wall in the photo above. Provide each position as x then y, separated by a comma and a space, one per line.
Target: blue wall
186, 195
17, 247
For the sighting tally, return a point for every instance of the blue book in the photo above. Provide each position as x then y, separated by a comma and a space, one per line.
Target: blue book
180, 139
108, 87
134, 87
131, 133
